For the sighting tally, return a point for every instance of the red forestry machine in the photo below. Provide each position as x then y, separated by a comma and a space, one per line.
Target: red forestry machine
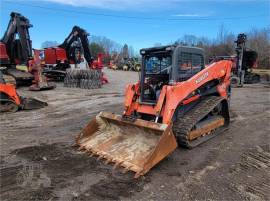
16, 55
72, 62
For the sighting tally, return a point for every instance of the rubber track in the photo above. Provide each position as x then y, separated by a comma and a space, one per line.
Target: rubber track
182, 126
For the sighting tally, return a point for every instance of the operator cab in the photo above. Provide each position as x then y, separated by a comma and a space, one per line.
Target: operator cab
167, 65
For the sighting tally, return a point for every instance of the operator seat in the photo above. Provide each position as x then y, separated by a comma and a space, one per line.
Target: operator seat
186, 71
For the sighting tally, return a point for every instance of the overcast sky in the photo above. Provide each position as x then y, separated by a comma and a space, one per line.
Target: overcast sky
140, 23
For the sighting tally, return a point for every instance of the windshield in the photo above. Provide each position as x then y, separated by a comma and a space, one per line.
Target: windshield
157, 65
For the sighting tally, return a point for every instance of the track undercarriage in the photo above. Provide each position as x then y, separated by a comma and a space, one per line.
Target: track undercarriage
202, 122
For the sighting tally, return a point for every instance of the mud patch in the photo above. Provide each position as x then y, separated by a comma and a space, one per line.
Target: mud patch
103, 94
174, 173
58, 171
59, 161
115, 187
118, 95
100, 97
39, 153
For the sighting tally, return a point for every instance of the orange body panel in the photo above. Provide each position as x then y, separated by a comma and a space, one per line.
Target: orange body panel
172, 95
10, 90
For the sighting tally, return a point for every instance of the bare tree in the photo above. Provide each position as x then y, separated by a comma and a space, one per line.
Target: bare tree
223, 45
46, 44
259, 40
131, 51
108, 44
125, 52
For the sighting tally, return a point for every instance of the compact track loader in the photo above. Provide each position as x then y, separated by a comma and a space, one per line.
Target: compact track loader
178, 101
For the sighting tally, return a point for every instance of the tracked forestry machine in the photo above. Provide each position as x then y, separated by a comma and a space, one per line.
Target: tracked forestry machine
178, 101
17, 62
72, 62
16, 48
244, 62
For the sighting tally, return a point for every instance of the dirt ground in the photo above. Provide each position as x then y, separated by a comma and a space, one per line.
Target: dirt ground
38, 161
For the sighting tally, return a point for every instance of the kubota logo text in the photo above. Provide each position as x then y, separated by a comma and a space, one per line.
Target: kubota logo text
205, 75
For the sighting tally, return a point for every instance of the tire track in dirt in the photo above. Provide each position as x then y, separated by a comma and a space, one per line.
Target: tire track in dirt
254, 167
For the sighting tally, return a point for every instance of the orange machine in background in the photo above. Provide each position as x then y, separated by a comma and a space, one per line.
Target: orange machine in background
10, 101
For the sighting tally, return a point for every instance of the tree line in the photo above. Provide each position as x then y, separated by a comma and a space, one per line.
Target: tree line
223, 45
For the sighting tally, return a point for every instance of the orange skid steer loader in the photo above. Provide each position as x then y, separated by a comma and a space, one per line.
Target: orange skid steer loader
178, 101
10, 101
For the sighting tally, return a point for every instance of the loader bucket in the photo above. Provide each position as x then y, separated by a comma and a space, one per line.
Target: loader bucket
32, 103
135, 146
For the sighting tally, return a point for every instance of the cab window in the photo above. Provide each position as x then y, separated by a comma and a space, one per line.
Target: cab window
158, 65
189, 64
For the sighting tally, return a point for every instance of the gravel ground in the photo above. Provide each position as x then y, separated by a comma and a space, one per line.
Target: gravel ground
38, 161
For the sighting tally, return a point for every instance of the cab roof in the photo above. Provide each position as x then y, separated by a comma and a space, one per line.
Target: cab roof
170, 48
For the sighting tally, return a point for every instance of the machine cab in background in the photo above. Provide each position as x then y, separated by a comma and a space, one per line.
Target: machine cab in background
167, 65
